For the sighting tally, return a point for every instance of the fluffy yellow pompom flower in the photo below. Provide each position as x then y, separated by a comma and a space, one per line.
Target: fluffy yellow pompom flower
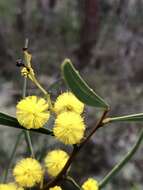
32, 112
55, 161
90, 184
55, 188
28, 172
69, 128
10, 186
68, 102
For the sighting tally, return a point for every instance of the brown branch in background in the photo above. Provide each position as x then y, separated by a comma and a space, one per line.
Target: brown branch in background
5, 55
52, 3
45, 8
21, 17
89, 30
75, 151
45, 5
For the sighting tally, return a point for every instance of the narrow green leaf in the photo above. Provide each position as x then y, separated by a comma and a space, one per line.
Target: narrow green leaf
116, 169
79, 87
10, 121
127, 118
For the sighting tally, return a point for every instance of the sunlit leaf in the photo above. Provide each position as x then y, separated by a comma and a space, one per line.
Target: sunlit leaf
79, 87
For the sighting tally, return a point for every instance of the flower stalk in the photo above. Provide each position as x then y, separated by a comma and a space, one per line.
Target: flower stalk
12, 156
27, 133
71, 180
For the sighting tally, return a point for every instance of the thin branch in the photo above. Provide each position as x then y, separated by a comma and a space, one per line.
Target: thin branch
70, 179
27, 133
98, 125
29, 143
75, 151
12, 156
59, 177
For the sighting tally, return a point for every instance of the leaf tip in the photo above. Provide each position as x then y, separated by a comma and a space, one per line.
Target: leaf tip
66, 61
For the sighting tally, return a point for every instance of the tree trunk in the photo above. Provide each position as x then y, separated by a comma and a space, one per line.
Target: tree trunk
89, 30
21, 17
45, 8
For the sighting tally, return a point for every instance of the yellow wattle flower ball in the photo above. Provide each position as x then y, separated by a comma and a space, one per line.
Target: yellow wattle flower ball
32, 112
55, 188
69, 128
55, 161
28, 172
10, 186
68, 102
90, 184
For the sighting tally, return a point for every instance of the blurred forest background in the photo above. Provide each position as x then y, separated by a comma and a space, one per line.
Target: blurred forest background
104, 39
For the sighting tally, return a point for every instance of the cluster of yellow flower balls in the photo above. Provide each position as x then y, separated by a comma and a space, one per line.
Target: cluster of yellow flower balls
69, 127
28, 172
33, 112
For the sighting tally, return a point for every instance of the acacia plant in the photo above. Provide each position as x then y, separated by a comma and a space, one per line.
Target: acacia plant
33, 113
